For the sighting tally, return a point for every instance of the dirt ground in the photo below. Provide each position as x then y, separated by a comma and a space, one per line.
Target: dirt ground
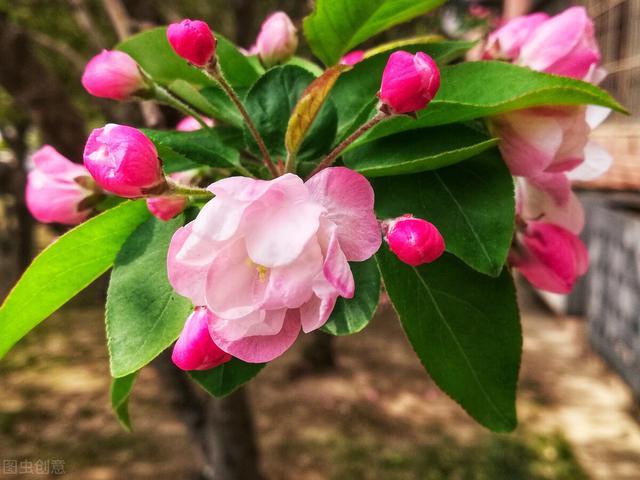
378, 416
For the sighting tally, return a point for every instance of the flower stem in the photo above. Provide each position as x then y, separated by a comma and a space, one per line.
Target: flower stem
165, 96
187, 191
333, 156
216, 74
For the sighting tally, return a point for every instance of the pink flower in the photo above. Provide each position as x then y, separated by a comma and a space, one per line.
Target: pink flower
193, 40
195, 350
543, 139
277, 41
271, 257
549, 200
353, 58
414, 240
409, 82
55, 188
550, 257
167, 207
123, 160
112, 74
506, 41
190, 124
564, 45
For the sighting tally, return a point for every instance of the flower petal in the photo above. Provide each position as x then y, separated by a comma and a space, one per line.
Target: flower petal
348, 198
261, 348
187, 274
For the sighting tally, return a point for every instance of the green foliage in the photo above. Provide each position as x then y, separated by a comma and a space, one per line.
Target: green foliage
144, 315
65, 268
226, 378
471, 203
270, 103
352, 315
337, 26
418, 150
120, 391
465, 328
479, 89
209, 147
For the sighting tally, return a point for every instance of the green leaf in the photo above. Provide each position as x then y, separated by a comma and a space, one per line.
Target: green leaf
354, 94
202, 147
337, 26
120, 391
465, 328
472, 204
478, 89
65, 268
144, 314
306, 110
270, 103
418, 150
308, 65
211, 101
352, 315
226, 378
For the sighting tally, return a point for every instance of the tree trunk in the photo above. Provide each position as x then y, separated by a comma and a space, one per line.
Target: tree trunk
222, 427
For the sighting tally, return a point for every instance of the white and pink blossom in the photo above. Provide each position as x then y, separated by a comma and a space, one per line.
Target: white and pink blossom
269, 258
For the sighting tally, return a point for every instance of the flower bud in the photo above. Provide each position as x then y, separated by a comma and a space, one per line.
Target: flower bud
124, 161
57, 189
167, 207
190, 124
353, 58
277, 40
409, 82
112, 74
550, 257
506, 42
193, 40
414, 240
195, 349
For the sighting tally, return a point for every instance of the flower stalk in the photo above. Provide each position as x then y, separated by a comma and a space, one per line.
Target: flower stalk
214, 72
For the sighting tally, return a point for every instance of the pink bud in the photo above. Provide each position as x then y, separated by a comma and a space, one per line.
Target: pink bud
195, 349
112, 74
123, 160
353, 58
277, 40
190, 124
414, 240
56, 188
193, 40
167, 207
550, 257
409, 82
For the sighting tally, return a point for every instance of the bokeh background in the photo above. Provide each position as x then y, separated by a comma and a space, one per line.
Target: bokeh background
354, 408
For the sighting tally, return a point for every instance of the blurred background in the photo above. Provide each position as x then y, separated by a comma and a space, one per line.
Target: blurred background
359, 407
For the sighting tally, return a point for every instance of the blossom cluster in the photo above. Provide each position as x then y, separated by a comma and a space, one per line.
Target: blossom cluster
548, 147
265, 259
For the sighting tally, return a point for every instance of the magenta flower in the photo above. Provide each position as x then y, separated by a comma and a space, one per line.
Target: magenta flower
414, 240
269, 258
277, 41
195, 350
409, 82
543, 139
123, 160
353, 58
549, 257
564, 45
112, 74
193, 40
56, 188
506, 42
